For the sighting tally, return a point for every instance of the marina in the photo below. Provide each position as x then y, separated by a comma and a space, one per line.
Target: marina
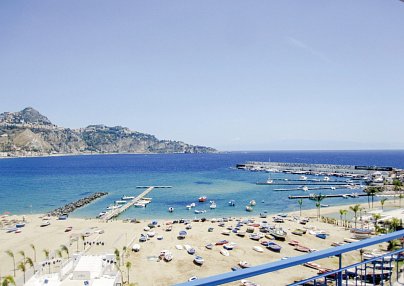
311, 196
115, 212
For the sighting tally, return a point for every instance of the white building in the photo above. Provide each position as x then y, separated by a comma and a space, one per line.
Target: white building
81, 270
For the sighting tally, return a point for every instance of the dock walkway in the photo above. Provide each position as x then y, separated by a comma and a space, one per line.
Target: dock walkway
116, 212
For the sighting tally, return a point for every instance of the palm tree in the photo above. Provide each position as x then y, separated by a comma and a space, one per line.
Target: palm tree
8, 280
318, 199
64, 248
117, 256
341, 213
300, 202
33, 248
394, 223
128, 266
83, 238
397, 187
376, 217
21, 266
29, 261
372, 191
123, 254
59, 253
11, 254
355, 209
361, 252
46, 253
382, 201
22, 253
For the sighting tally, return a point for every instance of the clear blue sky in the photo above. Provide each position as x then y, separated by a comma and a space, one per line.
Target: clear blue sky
234, 75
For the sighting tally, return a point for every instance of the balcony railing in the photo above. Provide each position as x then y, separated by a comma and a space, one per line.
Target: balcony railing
375, 271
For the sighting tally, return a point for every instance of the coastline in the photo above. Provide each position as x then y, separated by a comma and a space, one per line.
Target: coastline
147, 269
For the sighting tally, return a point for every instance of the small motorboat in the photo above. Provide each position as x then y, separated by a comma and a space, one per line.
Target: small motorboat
263, 215
44, 223
293, 242
210, 229
230, 246
191, 251
299, 232
188, 227
170, 209
179, 247
278, 234
182, 234
224, 252
222, 242
159, 237
199, 260
151, 233
126, 198
18, 230
258, 248
321, 235
168, 256
193, 278
253, 203
273, 246
240, 233
312, 265
302, 248
169, 228
213, 205
255, 236
278, 219
136, 248
69, 228
146, 228
248, 208
232, 203
202, 199
244, 264
143, 237
226, 232
20, 225
209, 246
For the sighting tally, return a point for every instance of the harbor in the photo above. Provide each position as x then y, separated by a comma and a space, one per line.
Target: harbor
115, 212
312, 196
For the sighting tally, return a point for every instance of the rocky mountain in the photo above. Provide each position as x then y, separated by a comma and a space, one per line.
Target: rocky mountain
29, 133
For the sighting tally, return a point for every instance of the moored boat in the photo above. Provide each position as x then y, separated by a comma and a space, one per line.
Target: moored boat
273, 246
244, 264
278, 233
170, 209
182, 234
249, 208
302, 248
199, 260
232, 203
224, 252
202, 199
44, 223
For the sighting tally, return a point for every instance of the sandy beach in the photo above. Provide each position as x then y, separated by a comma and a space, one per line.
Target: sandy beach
147, 269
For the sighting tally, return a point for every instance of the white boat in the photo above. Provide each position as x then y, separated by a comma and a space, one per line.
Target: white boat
151, 233
136, 248
303, 178
232, 203
170, 209
253, 203
333, 188
224, 252
213, 205
269, 180
179, 247
326, 179
188, 207
120, 202
248, 208
345, 196
44, 223
258, 248
168, 256
126, 198
113, 207
199, 260
139, 205
192, 205
305, 188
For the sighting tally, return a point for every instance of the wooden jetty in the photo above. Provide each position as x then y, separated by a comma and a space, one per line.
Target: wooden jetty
116, 212
328, 196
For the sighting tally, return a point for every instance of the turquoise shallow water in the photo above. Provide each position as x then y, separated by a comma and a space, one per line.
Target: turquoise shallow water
38, 185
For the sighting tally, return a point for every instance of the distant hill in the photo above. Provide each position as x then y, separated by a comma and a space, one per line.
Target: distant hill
29, 133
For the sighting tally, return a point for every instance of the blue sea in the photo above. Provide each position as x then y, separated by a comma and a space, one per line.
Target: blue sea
39, 185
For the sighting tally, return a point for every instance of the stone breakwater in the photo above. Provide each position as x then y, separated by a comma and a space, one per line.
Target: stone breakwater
70, 207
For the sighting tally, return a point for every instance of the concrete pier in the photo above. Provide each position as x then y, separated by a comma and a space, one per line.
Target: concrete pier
116, 212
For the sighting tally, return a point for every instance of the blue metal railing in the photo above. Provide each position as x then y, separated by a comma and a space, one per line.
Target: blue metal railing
299, 260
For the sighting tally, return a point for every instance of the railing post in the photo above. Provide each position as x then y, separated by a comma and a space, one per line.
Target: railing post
339, 283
